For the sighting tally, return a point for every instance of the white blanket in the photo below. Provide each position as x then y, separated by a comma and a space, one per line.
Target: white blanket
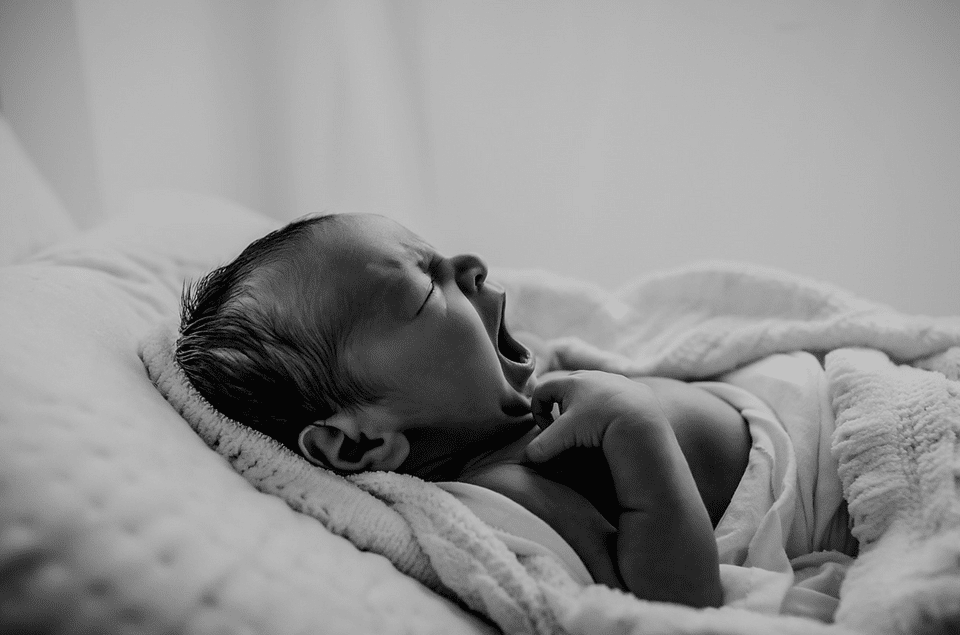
896, 443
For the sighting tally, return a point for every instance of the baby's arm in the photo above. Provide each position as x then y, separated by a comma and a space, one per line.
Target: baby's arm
665, 545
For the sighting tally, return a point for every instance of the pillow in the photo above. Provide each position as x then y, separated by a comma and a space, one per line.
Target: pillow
114, 516
31, 215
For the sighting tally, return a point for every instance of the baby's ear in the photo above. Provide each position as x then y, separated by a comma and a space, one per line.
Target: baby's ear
327, 445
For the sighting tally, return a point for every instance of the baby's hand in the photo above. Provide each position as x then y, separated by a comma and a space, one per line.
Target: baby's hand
593, 405
665, 545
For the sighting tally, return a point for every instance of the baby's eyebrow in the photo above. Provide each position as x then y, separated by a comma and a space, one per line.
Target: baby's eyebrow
396, 287
421, 252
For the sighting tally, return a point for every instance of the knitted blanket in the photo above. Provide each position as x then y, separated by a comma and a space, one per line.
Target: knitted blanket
896, 443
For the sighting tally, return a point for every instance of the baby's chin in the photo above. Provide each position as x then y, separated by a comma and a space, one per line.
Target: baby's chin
519, 406
531, 384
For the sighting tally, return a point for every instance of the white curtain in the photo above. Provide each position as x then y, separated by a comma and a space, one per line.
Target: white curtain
597, 139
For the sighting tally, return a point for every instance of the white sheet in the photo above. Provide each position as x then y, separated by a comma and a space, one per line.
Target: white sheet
711, 317
114, 516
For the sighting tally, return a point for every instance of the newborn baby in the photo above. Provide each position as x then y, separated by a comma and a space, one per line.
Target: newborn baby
353, 342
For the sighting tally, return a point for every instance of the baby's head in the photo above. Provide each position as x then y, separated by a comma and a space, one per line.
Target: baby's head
350, 340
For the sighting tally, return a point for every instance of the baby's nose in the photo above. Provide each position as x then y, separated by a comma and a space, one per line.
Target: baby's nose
471, 272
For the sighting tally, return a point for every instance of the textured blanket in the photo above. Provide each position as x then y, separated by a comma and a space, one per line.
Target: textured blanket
895, 387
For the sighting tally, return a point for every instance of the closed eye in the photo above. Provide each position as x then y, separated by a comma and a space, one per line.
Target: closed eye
433, 286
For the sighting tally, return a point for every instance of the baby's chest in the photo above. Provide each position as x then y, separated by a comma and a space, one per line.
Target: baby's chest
570, 513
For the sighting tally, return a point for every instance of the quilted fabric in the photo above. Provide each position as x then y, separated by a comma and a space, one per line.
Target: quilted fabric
114, 516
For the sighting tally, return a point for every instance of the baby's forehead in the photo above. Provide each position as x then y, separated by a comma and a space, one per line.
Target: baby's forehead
370, 243
365, 259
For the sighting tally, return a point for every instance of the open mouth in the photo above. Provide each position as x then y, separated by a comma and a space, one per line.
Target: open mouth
509, 347
515, 358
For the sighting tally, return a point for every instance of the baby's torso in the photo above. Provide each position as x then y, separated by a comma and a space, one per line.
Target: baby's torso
574, 492
578, 502
792, 482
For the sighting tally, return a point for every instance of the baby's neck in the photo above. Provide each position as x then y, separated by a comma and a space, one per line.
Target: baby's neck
511, 452
431, 459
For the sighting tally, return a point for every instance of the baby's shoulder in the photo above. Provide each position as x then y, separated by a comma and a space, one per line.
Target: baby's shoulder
547, 499
567, 511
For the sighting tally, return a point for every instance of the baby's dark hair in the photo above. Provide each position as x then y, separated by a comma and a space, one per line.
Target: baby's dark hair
271, 364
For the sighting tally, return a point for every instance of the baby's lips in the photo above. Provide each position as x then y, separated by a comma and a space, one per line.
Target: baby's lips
519, 375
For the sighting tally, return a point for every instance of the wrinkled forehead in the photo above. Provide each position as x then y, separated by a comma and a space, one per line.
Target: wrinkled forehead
365, 260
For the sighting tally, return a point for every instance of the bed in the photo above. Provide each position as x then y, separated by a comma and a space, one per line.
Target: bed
116, 516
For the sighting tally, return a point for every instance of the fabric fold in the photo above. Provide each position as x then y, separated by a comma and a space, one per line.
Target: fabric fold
693, 323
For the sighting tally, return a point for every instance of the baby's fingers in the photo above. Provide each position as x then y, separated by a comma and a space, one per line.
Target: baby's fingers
553, 439
548, 392
542, 412
551, 442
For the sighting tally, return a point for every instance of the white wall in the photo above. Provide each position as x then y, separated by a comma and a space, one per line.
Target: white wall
600, 140
819, 137
176, 96
43, 97
290, 107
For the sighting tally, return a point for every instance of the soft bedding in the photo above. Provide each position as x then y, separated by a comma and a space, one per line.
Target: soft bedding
721, 317
115, 516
